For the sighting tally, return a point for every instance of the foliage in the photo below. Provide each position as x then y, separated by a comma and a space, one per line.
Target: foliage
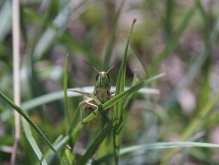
177, 125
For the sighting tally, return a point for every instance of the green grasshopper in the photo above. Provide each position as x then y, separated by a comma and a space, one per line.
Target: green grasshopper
101, 93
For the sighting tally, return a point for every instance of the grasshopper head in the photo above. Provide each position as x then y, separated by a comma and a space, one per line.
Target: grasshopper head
102, 85
102, 80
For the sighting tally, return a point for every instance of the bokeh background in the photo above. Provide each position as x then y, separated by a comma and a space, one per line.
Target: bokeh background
175, 37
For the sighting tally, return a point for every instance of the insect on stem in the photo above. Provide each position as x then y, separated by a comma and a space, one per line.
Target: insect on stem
100, 95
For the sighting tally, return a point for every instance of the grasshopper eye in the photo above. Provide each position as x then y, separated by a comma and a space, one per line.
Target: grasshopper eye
108, 77
97, 76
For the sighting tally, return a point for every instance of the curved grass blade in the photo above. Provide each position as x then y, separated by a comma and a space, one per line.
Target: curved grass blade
50, 154
32, 142
159, 145
53, 96
125, 105
162, 145
20, 111
120, 84
133, 84
130, 91
168, 16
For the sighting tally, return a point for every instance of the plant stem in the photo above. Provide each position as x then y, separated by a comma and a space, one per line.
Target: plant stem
16, 75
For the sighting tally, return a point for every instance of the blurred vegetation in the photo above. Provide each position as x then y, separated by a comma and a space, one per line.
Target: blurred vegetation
178, 38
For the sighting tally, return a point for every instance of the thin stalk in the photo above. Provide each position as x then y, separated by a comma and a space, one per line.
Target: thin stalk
16, 75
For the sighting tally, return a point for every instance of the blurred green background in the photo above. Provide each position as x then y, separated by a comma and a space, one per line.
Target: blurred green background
178, 38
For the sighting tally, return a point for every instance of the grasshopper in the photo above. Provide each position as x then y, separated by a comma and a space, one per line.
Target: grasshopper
101, 93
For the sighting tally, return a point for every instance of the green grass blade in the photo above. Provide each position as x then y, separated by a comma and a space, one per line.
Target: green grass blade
53, 96
65, 87
6, 19
130, 91
50, 154
204, 14
20, 111
159, 145
120, 84
68, 155
112, 37
169, 15
125, 111
198, 121
163, 145
94, 146
133, 84
32, 142
195, 125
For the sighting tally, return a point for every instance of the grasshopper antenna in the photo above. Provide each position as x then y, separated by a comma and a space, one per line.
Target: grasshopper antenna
113, 66
92, 66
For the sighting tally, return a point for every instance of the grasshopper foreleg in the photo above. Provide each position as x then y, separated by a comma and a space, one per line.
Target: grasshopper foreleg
112, 95
89, 104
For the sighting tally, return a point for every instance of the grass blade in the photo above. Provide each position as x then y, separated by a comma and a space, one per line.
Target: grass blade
53, 96
130, 91
120, 84
160, 145
20, 111
163, 145
16, 74
65, 87
32, 142
50, 154
68, 155
133, 84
